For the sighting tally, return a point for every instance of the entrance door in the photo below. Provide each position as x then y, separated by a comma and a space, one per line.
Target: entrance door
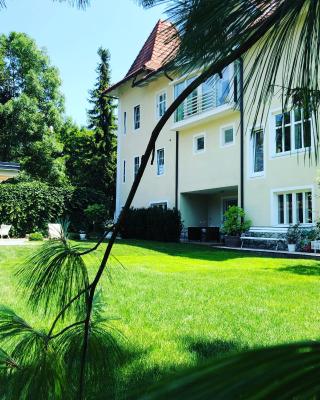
227, 203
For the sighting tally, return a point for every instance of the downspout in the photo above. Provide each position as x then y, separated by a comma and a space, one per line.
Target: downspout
177, 171
241, 105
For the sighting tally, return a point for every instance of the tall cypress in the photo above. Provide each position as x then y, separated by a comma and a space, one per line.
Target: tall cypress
102, 121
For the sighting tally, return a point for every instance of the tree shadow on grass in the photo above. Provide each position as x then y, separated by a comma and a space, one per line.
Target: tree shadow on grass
187, 250
207, 349
145, 376
306, 270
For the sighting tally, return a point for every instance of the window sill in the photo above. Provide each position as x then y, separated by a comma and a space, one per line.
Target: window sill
293, 152
257, 175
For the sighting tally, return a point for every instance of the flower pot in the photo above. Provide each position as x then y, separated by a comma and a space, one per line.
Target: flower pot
82, 236
291, 248
232, 241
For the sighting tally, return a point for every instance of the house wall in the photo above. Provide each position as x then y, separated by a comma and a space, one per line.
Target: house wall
153, 188
217, 167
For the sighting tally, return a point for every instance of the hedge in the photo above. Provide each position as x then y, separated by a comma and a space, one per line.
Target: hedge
153, 223
30, 206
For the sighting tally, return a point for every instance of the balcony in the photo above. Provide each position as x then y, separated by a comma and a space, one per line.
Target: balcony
212, 98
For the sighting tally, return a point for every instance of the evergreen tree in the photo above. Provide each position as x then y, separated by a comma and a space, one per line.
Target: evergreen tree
102, 121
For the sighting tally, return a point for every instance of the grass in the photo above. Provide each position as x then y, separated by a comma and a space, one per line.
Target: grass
180, 304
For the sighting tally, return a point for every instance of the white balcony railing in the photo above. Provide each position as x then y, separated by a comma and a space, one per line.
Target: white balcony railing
211, 94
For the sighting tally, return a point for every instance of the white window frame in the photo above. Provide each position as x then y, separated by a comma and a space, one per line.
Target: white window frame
251, 149
134, 117
291, 190
157, 203
223, 129
134, 164
164, 162
124, 171
161, 93
195, 140
125, 117
273, 144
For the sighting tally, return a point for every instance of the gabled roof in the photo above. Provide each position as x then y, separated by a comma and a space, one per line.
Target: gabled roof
159, 48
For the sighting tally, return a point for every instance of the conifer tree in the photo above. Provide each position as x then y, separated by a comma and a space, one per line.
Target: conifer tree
102, 121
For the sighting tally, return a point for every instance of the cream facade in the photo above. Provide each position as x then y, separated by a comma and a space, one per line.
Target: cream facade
204, 161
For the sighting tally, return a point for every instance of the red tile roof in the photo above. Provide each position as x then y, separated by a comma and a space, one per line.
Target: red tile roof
160, 47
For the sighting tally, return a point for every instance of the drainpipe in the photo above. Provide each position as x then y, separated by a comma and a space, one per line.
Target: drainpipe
241, 105
177, 170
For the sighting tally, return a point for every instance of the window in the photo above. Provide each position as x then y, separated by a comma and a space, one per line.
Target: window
257, 152
227, 136
160, 162
199, 144
136, 165
292, 130
161, 104
124, 172
136, 117
294, 207
162, 205
124, 123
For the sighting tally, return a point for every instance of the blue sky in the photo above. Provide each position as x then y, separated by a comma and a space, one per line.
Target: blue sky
72, 38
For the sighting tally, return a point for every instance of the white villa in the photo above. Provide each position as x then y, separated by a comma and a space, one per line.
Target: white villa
206, 158
8, 170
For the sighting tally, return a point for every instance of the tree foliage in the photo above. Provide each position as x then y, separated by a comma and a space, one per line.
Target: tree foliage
31, 108
102, 122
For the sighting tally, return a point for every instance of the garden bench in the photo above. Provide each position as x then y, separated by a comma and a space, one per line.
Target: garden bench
265, 230
4, 230
315, 245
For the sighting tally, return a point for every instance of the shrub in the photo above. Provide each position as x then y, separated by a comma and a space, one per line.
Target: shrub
154, 223
293, 234
96, 216
30, 206
82, 198
235, 221
36, 236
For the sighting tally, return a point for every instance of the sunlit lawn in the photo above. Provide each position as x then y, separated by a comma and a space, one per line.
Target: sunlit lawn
181, 304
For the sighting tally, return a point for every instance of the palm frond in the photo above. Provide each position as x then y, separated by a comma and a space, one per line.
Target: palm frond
281, 372
82, 4
53, 276
43, 377
103, 358
6, 361
284, 63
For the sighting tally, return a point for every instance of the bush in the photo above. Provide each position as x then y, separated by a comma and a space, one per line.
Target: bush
30, 206
235, 221
82, 198
36, 236
154, 223
96, 216
293, 234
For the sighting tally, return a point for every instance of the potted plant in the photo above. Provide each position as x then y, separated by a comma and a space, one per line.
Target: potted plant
234, 225
293, 237
82, 235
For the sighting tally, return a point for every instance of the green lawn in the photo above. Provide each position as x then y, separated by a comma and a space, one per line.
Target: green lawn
181, 304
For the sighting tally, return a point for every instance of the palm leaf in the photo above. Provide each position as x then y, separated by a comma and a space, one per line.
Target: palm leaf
6, 361
103, 358
281, 372
284, 63
53, 276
